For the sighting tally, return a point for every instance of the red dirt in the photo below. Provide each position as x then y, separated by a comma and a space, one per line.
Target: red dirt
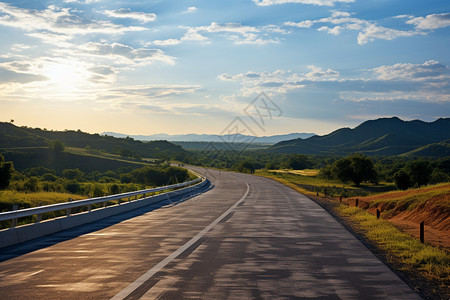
434, 212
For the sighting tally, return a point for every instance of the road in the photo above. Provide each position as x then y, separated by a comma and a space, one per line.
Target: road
246, 237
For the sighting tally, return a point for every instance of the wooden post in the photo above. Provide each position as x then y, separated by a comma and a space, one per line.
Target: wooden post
356, 202
422, 232
378, 213
340, 199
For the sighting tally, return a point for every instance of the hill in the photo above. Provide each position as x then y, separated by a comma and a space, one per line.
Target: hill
12, 136
214, 137
385, 136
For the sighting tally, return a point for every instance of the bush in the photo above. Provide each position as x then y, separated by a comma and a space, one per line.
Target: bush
73, 187
73, 174
31, 185
402, 180
6, 171
114, 189
57, 146
438, 177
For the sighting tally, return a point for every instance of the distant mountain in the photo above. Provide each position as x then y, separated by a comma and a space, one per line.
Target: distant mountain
12, 136
386, 136
213, 137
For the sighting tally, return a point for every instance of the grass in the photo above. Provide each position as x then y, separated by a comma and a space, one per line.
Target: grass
99, 154
26, 200
402, 249
394, 202
311, 184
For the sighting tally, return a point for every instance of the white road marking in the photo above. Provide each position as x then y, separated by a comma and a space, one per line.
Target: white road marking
149, 274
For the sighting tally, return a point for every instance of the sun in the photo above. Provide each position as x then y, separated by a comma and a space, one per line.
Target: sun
65, 75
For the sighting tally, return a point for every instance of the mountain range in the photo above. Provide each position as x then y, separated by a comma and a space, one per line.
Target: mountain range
213, 137
385, 136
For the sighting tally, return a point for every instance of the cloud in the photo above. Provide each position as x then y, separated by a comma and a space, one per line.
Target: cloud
8, 76
369, 31
126, 54
54, 22
168, 42
408, 71
429, 81
434, 21
126, 13
313, 2
236, 32
190, 9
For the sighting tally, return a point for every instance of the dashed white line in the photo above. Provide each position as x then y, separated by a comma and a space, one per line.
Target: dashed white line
150, 273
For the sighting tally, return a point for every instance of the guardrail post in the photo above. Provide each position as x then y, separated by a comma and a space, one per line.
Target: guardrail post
104, 204
422, 232
118, 201
68, 211
89, 207
39, 216
129, 199
14, 221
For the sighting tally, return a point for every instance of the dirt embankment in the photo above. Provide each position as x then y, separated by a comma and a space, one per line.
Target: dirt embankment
407, 209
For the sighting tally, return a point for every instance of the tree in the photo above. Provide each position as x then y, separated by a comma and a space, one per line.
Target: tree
6, 171
342, 169
57, 146
363, 169
296, 162
419, 172
402, 180
356, 168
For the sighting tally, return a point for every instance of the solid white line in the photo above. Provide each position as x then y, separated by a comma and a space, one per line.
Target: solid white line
149, 274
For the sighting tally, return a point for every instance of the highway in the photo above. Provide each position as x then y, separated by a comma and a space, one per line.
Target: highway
244, 237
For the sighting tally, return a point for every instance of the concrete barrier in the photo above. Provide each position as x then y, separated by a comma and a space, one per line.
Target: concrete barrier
16, 235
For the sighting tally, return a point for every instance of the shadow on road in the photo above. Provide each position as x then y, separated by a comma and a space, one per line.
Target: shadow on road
55, 238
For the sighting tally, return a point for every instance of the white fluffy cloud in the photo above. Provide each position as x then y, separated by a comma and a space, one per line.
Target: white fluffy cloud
236, 32
369, 31
429, 81
55, 21
433, 21
126, 13
313, 2
408, 71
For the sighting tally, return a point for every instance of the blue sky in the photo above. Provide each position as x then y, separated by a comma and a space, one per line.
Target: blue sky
144, 67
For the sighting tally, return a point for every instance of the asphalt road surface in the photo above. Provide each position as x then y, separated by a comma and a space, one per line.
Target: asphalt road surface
245, 237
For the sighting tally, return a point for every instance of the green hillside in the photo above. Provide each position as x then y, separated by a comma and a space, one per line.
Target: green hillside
386, 136
12, 136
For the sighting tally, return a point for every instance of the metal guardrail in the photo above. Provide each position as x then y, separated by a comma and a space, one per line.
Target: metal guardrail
15, 214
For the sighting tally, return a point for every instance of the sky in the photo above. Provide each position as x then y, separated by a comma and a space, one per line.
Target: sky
256, 66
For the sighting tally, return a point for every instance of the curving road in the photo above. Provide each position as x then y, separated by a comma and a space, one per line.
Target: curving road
246, 237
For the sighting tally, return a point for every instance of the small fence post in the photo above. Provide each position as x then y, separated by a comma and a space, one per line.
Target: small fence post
378, 213
340, 198
14, 221
356, 202
422, 232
